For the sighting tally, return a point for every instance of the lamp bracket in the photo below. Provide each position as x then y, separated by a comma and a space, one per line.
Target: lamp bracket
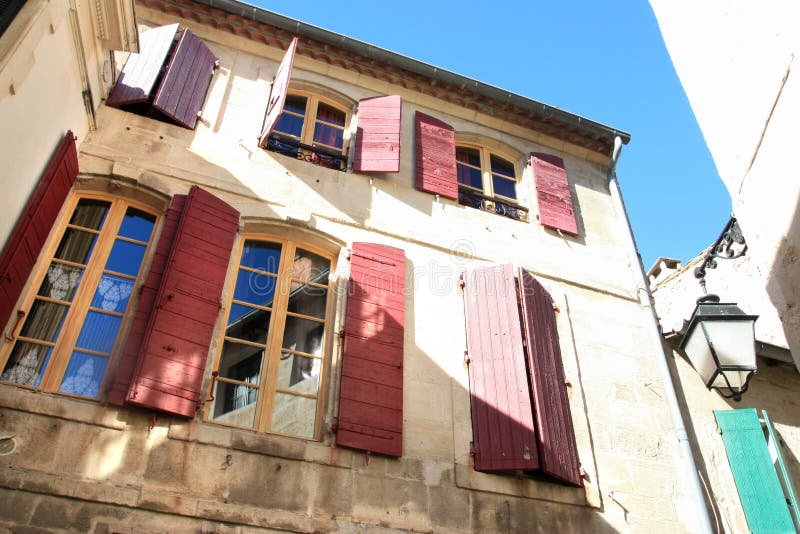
729, 245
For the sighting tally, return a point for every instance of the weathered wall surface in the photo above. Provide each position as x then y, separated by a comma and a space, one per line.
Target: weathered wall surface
99, 468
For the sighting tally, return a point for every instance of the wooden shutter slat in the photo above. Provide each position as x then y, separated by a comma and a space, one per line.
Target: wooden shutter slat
760, 491
502, 417
33, 227
371, 389
185, 83
377, 147
436, 156
278, 92
555, 431
140, 72
169, 370
556, 208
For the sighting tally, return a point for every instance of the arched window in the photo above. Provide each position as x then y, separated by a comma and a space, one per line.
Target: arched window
270, 368
81, 297
488, 180
312, 128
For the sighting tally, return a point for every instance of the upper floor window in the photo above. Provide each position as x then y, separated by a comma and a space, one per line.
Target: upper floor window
313, 129
487, 181
268, 373
75, 316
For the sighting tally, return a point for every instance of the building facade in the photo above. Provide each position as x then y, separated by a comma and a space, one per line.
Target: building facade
271, 278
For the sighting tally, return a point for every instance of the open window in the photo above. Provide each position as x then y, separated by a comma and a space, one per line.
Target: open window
488, 180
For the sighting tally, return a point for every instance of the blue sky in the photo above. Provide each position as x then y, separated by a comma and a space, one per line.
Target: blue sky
603, 60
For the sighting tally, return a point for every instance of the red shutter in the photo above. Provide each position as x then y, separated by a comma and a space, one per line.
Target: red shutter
378, 135
436, 156
559, 453
186, 80
147, 300
278, 92
33, 227
553, 194
371, 392
141, 70
172, 361
502, 417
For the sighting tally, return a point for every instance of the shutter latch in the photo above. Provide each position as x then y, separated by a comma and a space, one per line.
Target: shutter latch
466, 358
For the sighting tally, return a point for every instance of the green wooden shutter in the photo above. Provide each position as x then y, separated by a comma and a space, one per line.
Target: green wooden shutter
760, 491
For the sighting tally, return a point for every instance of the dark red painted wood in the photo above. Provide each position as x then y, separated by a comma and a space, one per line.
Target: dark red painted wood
556, 209
185, 83
502, 417
278, 92
140, 72
34, 224
557, 447
171, 363
436, 156
378, 135
146, 304
371, 389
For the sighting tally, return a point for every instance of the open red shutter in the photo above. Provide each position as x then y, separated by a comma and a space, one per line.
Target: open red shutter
186, 80
552, 192
33, 227
170, 368
147, 301
278, 92
502, 418
371, 391
140, 72
378, 135
559, 453
436, 156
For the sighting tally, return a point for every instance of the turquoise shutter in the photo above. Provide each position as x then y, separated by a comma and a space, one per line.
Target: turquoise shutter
760, 491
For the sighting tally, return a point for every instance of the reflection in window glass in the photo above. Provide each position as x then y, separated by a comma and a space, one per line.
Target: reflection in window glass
295, 415
84, 374
126, 257
137, 225
99, 332
255, 288
113, 293
262, 255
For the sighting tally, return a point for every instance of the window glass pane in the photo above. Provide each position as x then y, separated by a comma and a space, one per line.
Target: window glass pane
90, 213
137, 225
471, 156
44, 321
294, 415
255, 288
303, 335
330, 114
99, 332
249, 324
502, 166
113, 293
310, 267
329, 162
308, 300
241, 362
289, 124
262, 255
234, 404
504, 187
328, 135
76, 246
26, 364
125, 257
296, 104
84, 374
299, 373
469, 176
61, 282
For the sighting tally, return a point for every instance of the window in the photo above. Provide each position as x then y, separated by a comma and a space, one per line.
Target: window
270, 368
73, 321
313, 129
487, 181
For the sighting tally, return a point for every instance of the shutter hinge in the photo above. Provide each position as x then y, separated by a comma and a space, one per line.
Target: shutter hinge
582, 472
461, 285
342, 333
567, 382
555, 307
466, 358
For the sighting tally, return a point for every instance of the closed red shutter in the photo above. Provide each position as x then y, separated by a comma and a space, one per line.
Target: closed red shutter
170, 368
559, 453
436, 156
186, 80
502, 417
278, 92
371, 392
33, 227
378, 135
135, 82
552, 192
147, 300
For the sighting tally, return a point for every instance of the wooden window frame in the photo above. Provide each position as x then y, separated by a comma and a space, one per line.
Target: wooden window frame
80, 305
486, 171
267, 387
306, 138
485, 198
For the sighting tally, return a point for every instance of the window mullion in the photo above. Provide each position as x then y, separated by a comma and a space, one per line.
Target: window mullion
486, 172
